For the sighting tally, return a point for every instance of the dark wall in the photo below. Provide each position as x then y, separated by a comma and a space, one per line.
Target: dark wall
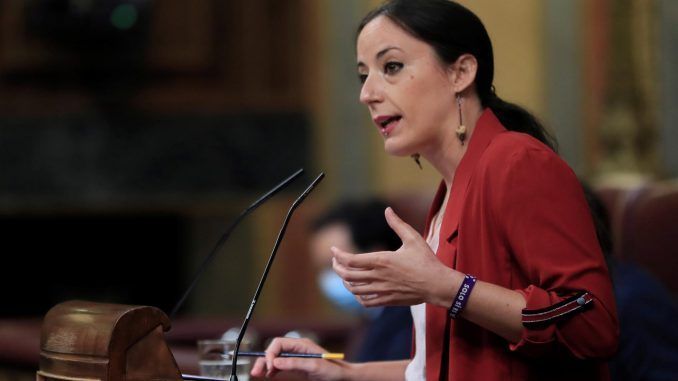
125, 258
80, 160
124, 123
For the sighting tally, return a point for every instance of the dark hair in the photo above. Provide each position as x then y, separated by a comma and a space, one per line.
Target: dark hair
602, 224
601, 219
453, 30
366, 222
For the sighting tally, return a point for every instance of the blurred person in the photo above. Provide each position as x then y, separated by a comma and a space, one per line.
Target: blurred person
509, 281
648, 339
359, 226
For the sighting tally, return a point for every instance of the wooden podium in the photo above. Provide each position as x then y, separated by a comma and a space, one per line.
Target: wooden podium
88, 341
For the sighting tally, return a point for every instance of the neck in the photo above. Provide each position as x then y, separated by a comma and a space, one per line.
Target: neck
446, 155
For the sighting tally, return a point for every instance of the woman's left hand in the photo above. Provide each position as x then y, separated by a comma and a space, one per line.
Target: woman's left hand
408, 276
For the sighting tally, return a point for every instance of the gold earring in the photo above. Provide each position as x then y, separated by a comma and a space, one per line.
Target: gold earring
416, 157
461, 130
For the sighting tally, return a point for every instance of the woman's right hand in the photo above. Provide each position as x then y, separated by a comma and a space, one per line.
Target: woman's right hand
312, 368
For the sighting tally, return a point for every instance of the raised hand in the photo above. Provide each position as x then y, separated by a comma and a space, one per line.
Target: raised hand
408, 276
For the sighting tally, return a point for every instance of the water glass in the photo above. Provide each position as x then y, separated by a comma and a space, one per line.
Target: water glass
215, 359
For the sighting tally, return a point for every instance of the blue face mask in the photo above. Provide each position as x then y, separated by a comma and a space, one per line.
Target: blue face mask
333, 288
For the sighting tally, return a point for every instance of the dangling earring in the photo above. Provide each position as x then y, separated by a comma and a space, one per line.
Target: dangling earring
461, 130
416, 157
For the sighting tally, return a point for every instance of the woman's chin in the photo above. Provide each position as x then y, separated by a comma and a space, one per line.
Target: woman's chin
393, 148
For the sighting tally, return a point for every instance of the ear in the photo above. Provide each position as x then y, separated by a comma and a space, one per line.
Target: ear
462, 73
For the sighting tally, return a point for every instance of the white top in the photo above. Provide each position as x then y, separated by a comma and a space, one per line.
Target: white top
416, 369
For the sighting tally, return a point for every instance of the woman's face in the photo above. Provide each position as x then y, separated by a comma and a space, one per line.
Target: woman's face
406, 88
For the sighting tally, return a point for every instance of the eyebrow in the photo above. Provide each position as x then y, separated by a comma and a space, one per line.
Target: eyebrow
380, 54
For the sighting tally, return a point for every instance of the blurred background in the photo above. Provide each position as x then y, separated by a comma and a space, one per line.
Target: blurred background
132, 132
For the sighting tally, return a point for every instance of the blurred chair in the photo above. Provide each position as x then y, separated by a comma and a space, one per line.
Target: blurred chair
649, 229
648, 341
618, 200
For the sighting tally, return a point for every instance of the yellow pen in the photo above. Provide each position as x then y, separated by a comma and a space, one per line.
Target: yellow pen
326, 356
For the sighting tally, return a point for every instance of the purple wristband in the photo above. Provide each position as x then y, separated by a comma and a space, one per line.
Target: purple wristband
462, 296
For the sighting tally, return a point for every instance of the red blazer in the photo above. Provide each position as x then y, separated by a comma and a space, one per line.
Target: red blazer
517, 218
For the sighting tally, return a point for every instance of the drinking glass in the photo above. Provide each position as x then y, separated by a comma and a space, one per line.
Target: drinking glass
215, 359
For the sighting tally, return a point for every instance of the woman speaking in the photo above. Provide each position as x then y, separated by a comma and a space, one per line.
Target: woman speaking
508, 281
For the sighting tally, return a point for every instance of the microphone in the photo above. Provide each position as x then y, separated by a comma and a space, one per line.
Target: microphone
294, 206
227, 233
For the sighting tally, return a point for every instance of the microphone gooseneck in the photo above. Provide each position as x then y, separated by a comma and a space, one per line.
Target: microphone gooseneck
245, 323
227, 233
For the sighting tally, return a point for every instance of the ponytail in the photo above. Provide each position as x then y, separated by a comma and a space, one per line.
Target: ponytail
516, 118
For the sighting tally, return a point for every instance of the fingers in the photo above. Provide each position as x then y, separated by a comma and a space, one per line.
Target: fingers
378, 300
366, 261
297, 364
271, 364
361, 282
401, 228
365, 291
283, 344
271, 352
371, 295
352, 276
259, 368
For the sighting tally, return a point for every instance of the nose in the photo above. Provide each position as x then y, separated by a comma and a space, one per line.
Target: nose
371, 91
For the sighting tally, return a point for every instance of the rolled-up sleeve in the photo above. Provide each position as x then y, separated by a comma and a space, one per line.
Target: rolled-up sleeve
548, 227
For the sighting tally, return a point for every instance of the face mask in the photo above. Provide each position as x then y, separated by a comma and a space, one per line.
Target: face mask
333, 288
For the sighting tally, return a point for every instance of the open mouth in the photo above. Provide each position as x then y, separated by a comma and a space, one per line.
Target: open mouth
386, 124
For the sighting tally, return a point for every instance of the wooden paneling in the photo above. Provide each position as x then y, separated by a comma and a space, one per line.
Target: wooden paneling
203, 55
